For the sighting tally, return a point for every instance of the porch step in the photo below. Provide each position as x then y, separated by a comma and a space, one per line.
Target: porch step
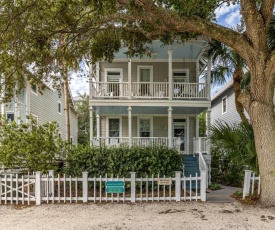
191, 167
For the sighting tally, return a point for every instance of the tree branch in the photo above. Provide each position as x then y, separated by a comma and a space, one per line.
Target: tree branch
266, 11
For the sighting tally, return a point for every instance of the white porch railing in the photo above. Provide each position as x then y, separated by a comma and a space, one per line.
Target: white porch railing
136, 141
110, 89
200, 145
250, 180
110, 141
149, 90
190, 90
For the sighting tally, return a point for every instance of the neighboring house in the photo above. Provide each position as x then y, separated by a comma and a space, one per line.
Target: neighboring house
47, 106
223, 105
151, 100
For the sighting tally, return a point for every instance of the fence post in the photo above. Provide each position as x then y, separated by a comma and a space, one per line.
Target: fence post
133, 186
38, 197
51, 183
85, 186
203, 184
177, 187
246, 186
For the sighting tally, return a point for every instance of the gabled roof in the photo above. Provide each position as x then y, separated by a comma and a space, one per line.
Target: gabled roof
226, 87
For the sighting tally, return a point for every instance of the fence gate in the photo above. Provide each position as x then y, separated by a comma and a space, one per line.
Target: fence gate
17, 189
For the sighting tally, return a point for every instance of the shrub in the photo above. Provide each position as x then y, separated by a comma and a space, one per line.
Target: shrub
120, 161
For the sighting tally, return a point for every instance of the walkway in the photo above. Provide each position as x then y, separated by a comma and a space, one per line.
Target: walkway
222, 195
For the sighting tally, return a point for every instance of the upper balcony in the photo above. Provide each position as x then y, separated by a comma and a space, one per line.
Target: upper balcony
150, 90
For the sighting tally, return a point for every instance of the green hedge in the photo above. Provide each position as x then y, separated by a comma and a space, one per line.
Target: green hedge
120, 161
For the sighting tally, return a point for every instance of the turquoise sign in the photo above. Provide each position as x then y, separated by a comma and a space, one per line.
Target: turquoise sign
115, 186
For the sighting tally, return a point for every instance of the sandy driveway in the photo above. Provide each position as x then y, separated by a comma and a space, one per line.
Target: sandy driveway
168, 215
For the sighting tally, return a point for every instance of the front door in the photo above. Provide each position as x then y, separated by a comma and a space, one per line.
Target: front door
144, 77
113, 80
180, 135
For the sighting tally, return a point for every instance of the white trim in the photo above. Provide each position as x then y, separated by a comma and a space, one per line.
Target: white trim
113, 69
10, 112
179, 71
225, 97
186, 127
148, 59
107, 125
145, 118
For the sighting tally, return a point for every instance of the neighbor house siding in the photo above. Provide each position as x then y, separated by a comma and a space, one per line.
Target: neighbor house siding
231, 115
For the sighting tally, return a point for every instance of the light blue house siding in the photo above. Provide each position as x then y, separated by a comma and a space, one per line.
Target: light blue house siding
44, 108
231, 115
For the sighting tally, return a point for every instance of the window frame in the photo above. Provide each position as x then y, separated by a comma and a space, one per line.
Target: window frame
151, 126
108, 128
224, 99
10, 112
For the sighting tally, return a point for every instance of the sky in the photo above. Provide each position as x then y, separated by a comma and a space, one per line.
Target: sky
228, 16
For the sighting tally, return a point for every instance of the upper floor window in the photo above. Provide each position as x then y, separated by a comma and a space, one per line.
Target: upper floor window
34, 88
224, 105
10, 116
180, 76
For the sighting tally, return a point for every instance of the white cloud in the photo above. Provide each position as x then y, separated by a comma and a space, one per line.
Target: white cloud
78, 84
224, 9
233, 18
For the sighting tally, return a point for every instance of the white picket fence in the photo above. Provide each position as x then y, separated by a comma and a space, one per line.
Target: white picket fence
250, 180
50, 188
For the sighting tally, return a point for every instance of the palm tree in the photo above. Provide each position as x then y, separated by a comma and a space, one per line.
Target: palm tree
237, 142
227, 62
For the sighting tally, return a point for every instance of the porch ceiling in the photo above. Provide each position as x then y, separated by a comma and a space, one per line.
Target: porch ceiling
188, 50
122, 110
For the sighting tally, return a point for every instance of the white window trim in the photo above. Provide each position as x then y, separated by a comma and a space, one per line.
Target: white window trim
187, 132
120, 125
181, 70
151, 125
113, 69
35, 93
150, 67
59, 102
225, 105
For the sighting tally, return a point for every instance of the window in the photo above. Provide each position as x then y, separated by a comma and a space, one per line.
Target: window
59, 107
224, 105
180, 76
145, 75
34, 88
114, 127
10, 116
145, 127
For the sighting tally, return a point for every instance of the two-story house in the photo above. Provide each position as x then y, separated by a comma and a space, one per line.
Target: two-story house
45, 106
151, 100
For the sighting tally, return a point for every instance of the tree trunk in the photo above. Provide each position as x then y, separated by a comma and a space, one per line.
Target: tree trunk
67, 106
258, 101
237, 78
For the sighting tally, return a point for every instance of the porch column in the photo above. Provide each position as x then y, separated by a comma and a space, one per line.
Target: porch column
208, 79
170, 140
129, 78
27, 101
97, 126
97, 71
130, 125
90, 79
2, 96
170, 73
197, 126
16, 114
91, 125
208, 124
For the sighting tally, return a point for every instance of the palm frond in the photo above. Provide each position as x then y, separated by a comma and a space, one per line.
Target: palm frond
271, 34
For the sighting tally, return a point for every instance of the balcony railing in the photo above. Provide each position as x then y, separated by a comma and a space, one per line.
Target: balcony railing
149, 90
